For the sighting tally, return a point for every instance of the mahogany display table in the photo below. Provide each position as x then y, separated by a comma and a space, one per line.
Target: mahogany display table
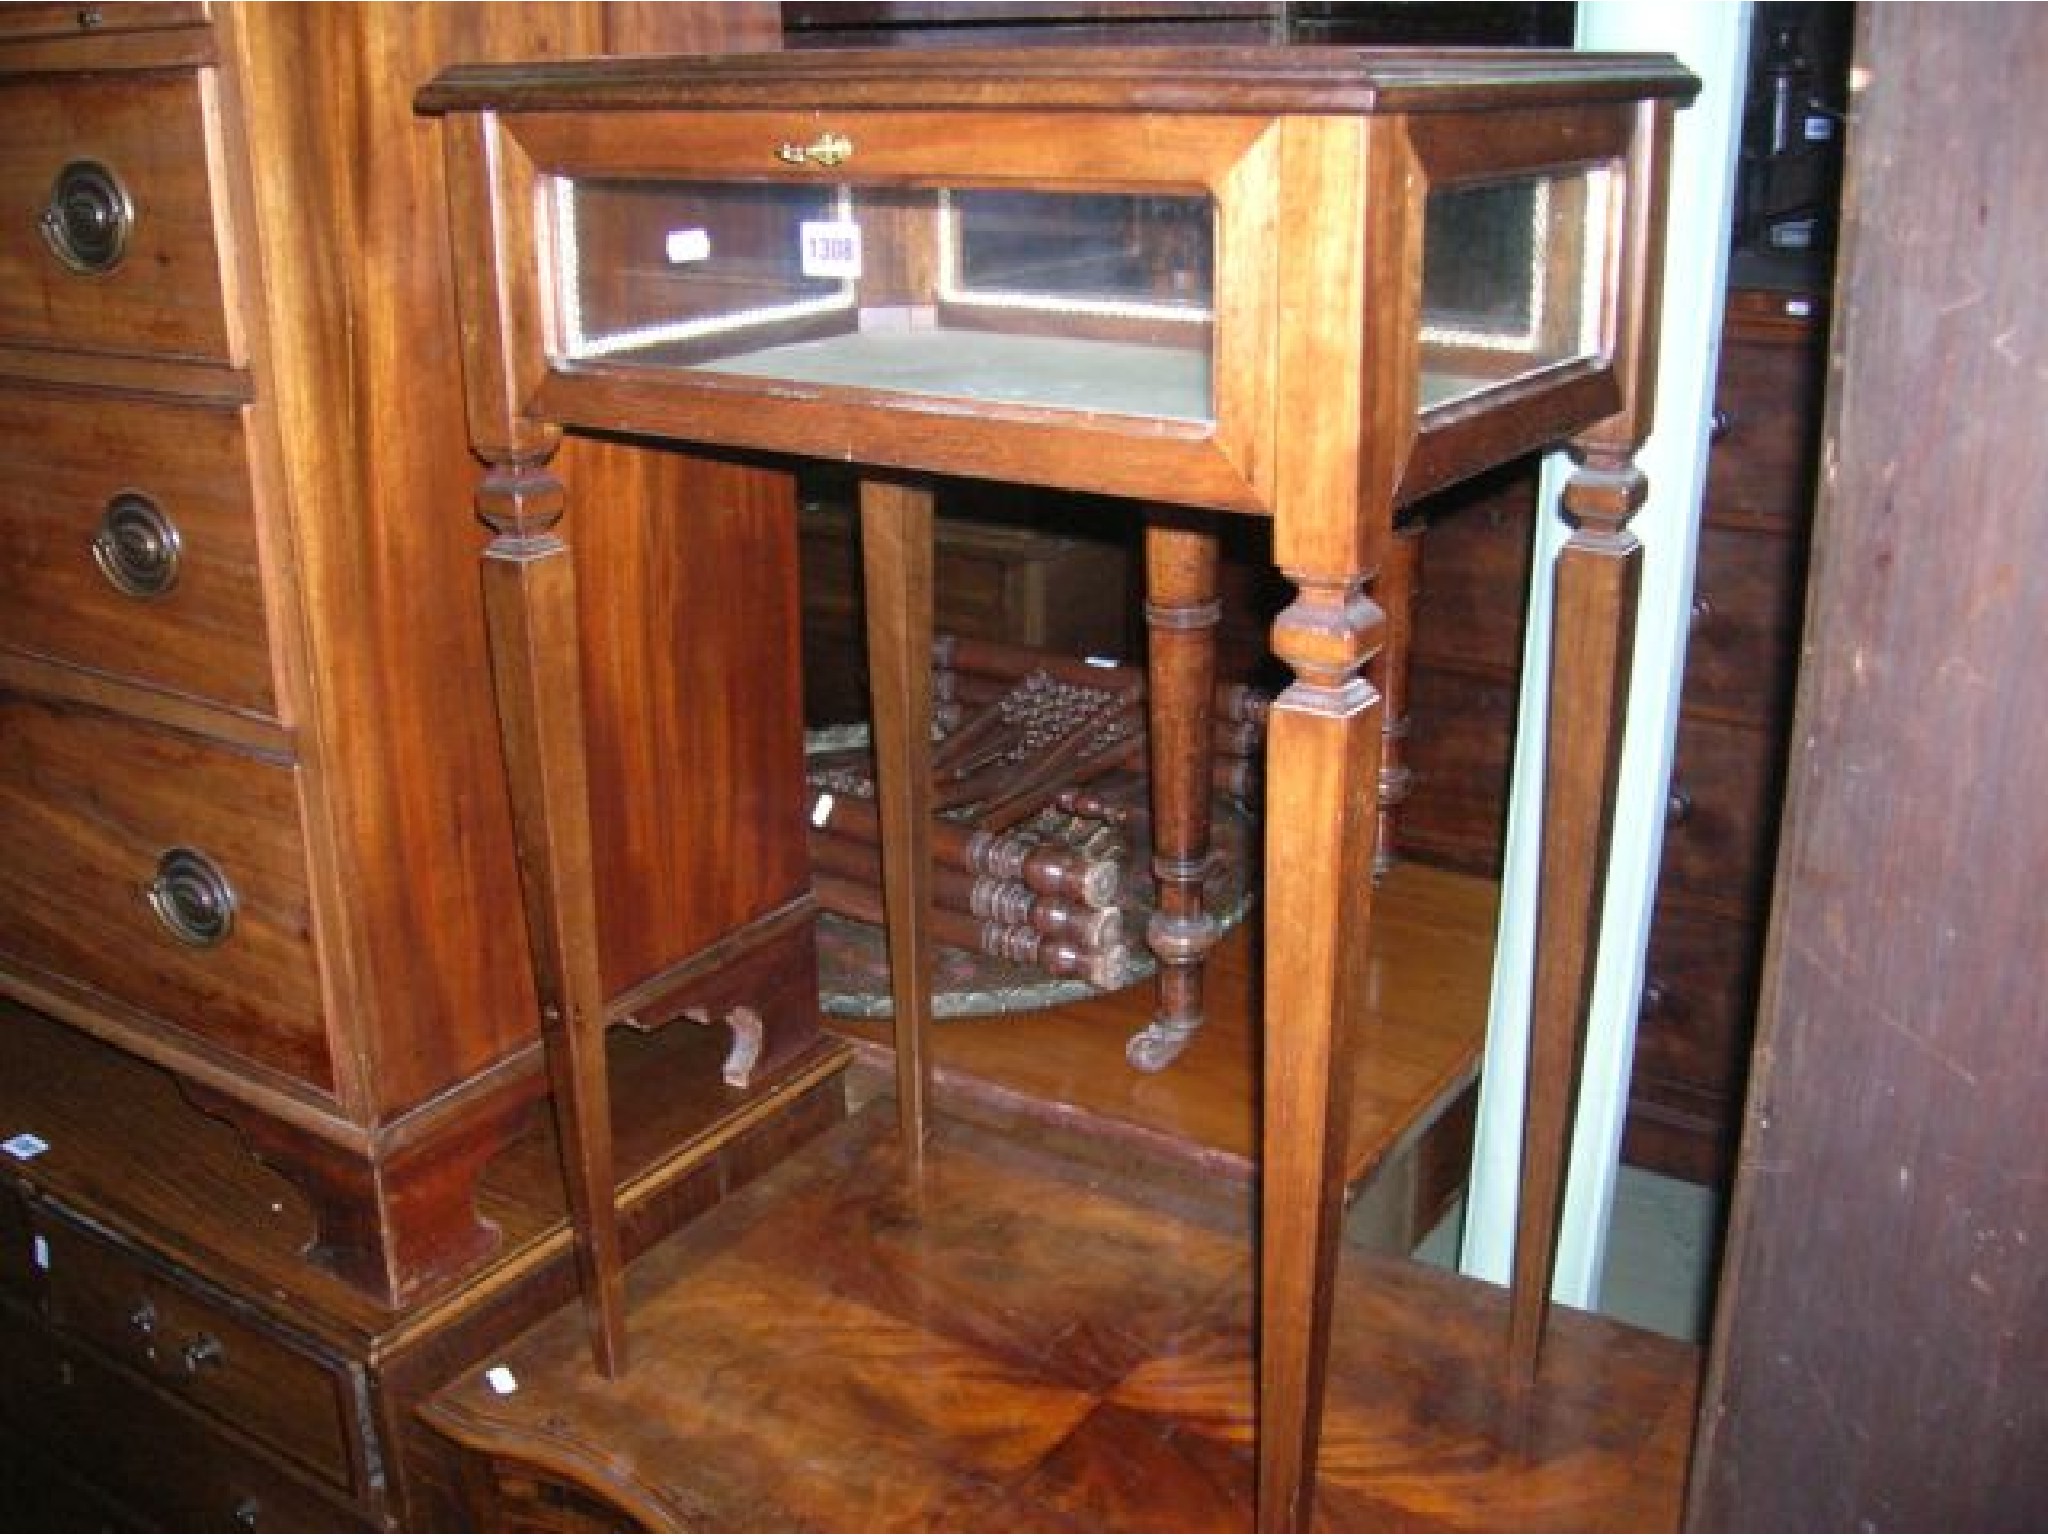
1309, 285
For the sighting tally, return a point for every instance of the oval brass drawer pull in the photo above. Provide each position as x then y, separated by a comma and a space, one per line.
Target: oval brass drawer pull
192, 898
137, 546
88, 218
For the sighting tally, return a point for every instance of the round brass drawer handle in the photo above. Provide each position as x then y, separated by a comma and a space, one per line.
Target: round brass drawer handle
88, 218
137, 546
192, 898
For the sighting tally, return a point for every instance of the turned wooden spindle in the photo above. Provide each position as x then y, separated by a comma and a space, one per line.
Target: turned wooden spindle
955, 890
1063, 872
1182, 612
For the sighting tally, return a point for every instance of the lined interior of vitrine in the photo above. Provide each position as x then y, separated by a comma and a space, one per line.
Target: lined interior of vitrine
1074, 301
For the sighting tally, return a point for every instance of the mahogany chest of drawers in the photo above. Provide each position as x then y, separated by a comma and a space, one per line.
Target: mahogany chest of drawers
261, 866
1721, 824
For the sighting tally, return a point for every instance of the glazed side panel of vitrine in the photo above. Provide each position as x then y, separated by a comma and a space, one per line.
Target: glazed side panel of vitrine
1216, 457
1532, 144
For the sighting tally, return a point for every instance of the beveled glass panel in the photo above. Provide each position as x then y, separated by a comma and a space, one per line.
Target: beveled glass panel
1513, 281
1091, 302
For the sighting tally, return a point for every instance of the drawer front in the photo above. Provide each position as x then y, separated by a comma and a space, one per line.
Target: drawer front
93, 810
142, 1448
128, 544
1721, 825
30, 18
97, 146
197, 1352
1761, 468
1699, 996
1747, 601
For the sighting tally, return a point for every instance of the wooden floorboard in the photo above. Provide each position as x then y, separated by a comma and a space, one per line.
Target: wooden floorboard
1431, 976
1024, 1342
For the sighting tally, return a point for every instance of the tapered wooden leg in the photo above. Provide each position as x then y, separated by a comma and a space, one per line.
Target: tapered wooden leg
1322, 807
529, 585
896, 556
1593, 633
1182, 612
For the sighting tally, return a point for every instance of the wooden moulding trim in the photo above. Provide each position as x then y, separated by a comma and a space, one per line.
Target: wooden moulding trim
1547, 409
251, 734
1310, 79
1048, 150
255, 1088
263, 1090
184, 46
1112, 455
179, 380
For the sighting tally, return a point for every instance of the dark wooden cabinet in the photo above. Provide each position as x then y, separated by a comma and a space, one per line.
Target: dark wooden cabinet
1721, 822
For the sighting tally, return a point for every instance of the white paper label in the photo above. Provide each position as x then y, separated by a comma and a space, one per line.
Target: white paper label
40, 1248
25, 1146
830, 247
686, 245
821, 810
499, 1379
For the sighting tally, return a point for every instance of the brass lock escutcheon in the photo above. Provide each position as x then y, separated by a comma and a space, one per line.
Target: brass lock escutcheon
828, 149
89, 216
137, 546
192, 898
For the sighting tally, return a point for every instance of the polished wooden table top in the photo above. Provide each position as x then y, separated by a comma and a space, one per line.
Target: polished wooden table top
1027, 1343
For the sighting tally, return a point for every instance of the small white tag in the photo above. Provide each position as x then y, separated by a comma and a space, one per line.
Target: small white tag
685, 245
499, 1379
821, 810
24, 1146
1818, 129
829, 247
40, 1249
1101, 661
1799, 309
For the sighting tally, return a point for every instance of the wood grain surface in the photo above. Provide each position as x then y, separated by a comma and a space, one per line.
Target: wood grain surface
1033, 1344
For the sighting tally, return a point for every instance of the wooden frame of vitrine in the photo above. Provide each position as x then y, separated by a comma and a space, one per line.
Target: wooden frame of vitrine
1318, 161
